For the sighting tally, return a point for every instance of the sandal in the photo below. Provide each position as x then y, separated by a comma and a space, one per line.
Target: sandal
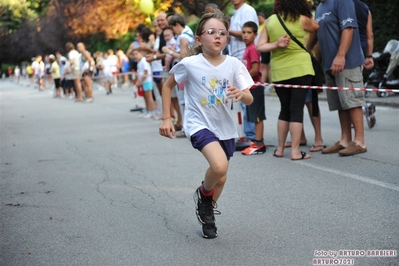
275, 155
303, 157
316, 148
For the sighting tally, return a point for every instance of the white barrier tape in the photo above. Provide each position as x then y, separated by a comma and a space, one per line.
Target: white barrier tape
324, 87
290, 86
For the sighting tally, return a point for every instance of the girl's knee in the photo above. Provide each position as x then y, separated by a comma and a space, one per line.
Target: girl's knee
220, 169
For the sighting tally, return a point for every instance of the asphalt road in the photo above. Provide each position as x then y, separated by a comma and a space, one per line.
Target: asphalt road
94, 184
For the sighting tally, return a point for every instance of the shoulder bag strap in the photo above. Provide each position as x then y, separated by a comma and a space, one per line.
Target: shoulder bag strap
314, 92
290, 34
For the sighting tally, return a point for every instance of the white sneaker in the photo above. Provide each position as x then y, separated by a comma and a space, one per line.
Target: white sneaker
149, 115
143, 114
88, 100
125, 85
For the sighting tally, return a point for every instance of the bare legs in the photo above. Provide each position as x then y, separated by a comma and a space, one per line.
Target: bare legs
78, 88
216, 175
347, 118
295, 129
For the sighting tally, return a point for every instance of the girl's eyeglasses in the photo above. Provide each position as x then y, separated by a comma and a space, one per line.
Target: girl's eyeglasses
213, 32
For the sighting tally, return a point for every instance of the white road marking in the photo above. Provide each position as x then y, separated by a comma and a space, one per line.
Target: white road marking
355, 177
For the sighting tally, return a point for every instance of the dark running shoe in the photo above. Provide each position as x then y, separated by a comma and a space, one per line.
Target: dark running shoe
204, 211
209, 231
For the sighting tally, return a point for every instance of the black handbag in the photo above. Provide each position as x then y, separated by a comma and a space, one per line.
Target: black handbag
317, 79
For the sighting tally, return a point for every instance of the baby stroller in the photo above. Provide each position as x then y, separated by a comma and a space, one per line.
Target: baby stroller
385, 74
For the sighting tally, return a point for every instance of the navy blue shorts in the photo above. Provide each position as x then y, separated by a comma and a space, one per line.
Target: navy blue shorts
157, 76
203, 137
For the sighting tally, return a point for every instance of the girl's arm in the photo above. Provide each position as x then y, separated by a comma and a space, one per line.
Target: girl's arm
240, 95
166, 127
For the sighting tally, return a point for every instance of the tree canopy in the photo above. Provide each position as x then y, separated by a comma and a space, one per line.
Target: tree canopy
31, 27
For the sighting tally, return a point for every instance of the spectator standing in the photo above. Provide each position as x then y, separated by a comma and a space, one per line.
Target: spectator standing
107, 66
125, 66
290, 64
76, 74
242, 13
365, 24
343, 58
265, 57
55, 75
144, 79
114, 68
255, 111
87, 65
17, 73
185, 37
38, 69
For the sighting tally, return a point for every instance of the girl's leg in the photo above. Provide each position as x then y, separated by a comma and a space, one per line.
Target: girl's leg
215, 176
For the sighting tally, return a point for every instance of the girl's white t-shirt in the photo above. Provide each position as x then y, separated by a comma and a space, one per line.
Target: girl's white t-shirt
143, 65
205, 89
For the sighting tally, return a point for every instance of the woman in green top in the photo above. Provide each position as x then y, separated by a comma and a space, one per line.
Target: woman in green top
290, 64
55, 74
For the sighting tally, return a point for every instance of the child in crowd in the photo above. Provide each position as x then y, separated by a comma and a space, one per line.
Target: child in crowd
171, 44
211, 80
56, 75
106, 67
144, 79
256, 111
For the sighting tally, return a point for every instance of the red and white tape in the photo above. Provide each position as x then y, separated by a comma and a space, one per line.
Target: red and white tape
325, 87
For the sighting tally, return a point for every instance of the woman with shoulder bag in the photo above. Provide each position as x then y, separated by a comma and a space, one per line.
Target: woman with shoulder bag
290, 64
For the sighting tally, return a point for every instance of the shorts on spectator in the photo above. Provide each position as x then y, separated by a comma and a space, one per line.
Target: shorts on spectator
256, 111
108, 79
203, 137
265, 58
76, 74
147, 86
345, 99
57, 83
157, 76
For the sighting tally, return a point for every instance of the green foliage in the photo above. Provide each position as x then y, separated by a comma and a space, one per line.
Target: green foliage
385, 22
264, 7
13, 13
99, 43
193, 25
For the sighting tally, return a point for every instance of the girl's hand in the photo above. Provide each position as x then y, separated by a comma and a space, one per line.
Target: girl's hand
283, 41
166, 128
233, 92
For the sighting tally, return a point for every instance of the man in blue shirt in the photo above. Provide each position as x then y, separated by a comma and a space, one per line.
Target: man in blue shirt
343, 58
